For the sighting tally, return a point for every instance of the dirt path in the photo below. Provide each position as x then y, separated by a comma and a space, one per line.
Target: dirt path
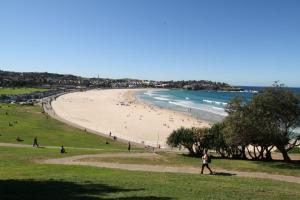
76, 160
80, 160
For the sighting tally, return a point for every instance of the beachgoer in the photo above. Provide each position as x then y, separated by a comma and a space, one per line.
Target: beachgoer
35, 143
115, 138
205, 159
62, 150
109, 133
129, 146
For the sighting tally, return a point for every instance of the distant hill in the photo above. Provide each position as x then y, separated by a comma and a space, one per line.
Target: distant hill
21, 79
53, 80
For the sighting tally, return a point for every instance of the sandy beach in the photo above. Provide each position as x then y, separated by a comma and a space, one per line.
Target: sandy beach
118, 111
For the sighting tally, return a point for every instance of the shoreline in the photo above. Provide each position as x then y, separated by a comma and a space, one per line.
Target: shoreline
144, 102
122, 113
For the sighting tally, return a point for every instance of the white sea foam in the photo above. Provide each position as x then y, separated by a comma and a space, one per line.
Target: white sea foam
217, 108
250, 91
207, 101
148, 94
161, 98
188, 104
214, 102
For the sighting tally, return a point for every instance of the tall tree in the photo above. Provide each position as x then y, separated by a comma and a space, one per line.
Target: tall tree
281, 109
237, 128
182, 137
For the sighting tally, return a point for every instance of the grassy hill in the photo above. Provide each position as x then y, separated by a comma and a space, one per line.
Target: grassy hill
24, 176
15, 91
28, 122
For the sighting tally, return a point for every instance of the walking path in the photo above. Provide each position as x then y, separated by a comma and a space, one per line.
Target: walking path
78, 160
82, 160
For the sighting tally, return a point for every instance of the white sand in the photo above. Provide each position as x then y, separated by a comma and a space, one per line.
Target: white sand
119, 112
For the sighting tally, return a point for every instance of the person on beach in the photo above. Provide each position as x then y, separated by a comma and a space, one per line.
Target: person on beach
205, 161
35, 143
129, 146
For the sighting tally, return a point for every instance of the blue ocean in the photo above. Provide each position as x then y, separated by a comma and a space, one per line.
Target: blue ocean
205, 105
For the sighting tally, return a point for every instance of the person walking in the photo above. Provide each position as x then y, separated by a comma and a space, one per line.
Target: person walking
35, 143
205, 161
129, 146
62, 150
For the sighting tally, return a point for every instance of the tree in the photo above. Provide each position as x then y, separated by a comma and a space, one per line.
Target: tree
194, 139
282, 115
203, 140
218, 140
268, 120
182, 137
237, 128
245, 128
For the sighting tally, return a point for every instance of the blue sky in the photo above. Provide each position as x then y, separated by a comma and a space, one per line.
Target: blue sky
241, 42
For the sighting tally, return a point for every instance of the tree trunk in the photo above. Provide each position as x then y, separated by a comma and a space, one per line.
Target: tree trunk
284, 153
268, 155
191, 150
244, 156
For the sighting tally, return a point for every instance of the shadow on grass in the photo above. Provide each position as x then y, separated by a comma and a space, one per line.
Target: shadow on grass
281, 165
223, 174
46, 190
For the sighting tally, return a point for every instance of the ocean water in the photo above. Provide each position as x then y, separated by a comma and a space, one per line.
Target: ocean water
205, 105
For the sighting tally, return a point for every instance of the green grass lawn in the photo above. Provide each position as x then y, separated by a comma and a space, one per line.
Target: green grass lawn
13, 91
295, 150
29, 121
172, 159
23, 176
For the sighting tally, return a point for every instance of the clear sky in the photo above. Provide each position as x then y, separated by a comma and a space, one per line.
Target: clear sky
253, 42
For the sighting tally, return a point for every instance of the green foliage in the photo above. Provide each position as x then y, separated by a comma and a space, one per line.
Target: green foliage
295, 150
218, 142
281, 113
182, 137
16, 91
203, 140
194, 139
267, 121
30, 121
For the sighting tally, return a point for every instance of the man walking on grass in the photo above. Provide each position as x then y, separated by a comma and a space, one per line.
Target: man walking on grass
129, 146
205, 161
35, 143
